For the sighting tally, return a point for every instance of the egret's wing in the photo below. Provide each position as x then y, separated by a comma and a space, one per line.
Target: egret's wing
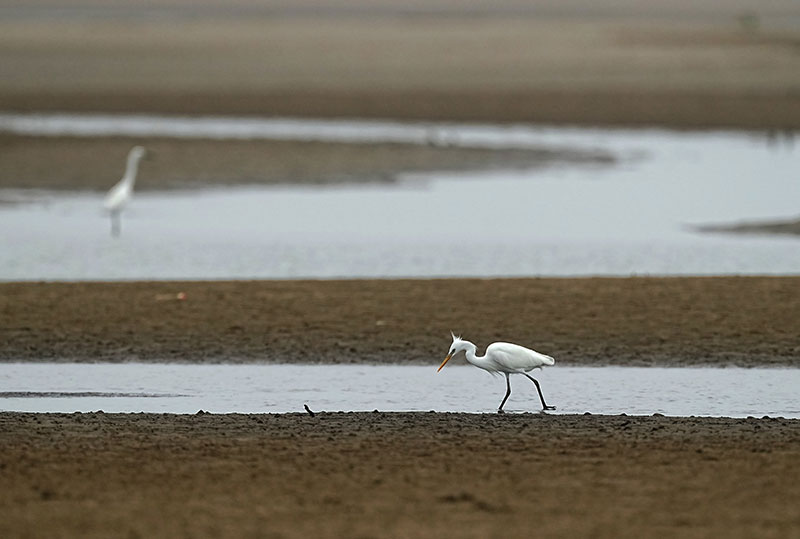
513, 357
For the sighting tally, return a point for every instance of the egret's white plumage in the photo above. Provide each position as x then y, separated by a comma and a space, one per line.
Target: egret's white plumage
119, 195
503, 358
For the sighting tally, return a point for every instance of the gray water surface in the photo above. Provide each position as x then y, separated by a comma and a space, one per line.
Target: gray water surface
180, 388
631, 218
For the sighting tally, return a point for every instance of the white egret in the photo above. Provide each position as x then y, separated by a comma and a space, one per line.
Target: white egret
505, 358
119, 195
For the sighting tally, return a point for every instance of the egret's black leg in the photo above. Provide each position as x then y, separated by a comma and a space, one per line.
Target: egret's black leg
539, 389
508, 392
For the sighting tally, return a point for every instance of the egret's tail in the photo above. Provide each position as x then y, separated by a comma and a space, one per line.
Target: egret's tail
548, 360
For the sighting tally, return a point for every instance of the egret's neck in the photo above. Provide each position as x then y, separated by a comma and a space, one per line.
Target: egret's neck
472, 355
131, 168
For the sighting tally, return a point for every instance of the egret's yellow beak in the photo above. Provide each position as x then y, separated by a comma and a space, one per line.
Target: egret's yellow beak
444, 362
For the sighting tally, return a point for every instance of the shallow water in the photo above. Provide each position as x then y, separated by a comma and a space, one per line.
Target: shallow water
626, 219
627, 143
179, 388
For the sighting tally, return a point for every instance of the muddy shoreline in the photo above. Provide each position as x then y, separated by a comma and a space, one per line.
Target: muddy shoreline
678, 321
399, 475
94, 163
789, 226
696, 110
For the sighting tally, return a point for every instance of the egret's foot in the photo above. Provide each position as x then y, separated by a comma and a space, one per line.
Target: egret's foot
549, 408
500, 411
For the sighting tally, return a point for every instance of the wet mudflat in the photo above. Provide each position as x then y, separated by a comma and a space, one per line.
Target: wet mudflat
586, 62
744, 321
378, 474
397, 474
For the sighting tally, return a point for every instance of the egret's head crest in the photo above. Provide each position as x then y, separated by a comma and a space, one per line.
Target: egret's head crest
455, 339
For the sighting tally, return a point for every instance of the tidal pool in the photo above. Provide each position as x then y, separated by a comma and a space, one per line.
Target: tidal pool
277, 388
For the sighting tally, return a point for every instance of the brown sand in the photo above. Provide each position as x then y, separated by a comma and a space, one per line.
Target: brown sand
723, 63
749, 321
397, 475
95, 163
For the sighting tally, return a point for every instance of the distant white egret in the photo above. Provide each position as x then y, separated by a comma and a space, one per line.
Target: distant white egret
505, 358
119, 195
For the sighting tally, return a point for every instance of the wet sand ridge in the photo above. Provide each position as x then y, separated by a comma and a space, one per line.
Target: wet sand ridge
749, 321
677, 64
399, 475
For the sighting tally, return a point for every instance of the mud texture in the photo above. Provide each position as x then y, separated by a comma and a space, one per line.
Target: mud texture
96, 163
746, 321
682, 64
397, 475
